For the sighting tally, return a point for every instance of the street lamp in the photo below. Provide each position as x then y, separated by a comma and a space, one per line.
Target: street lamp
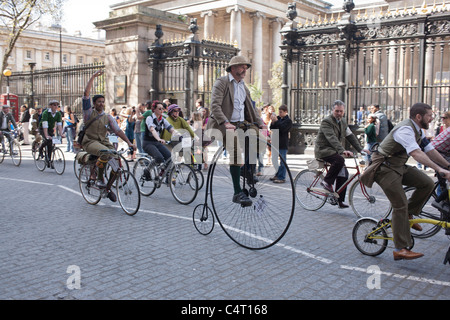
59, 27
32, 65
7, 74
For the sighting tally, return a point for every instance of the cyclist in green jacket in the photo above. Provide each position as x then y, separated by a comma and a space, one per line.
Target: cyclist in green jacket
50, 120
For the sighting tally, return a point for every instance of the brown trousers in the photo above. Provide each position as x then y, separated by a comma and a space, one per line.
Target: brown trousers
392, 180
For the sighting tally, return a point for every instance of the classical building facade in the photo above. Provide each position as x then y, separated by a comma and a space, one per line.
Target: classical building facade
252, 26
44, 46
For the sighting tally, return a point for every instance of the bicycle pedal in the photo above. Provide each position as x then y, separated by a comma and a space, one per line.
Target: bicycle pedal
332, 200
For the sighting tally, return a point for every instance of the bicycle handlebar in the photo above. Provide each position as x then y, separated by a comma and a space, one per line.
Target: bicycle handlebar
117, 152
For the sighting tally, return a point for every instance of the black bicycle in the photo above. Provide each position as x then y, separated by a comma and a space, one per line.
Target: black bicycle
180, 177
12, 148
55, 161
125, 184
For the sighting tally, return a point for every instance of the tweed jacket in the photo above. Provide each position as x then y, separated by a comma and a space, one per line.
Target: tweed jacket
222, 105
331, 138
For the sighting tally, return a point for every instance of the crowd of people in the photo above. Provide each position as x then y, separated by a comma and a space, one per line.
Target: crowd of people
148, 127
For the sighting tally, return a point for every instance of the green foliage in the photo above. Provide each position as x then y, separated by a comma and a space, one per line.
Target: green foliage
256, 92
17, 15
275, 83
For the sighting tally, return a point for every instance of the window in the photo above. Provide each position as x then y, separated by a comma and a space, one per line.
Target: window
28, 55
64, 58
80, 59
47, 56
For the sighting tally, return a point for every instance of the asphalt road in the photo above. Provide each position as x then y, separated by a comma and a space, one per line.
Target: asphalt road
55, 246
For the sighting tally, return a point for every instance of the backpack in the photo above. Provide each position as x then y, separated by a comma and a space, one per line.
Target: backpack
390, 125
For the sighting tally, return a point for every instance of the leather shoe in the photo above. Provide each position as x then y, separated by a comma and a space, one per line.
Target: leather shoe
242, 199
327, 186
415, 226
342, 205
406, 254
112, 196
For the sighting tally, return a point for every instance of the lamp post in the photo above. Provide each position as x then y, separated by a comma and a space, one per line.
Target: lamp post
59, 27
7, 74
32, 65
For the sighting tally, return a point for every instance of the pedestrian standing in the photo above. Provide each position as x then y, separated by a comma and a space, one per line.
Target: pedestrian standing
25, 121
283, 124
69, 127
371, 135
137, 127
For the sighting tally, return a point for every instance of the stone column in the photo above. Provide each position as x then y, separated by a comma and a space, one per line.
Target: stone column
257, 63
235, 24
208, 16
277, 23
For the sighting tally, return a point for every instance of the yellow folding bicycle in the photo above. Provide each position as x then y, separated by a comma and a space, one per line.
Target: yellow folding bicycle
371, 236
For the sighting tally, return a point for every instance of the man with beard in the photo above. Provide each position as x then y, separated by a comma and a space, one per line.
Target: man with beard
232, 109
329, 146
95, 140
392, 174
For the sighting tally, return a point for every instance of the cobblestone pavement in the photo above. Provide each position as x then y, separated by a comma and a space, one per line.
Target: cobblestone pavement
56, 246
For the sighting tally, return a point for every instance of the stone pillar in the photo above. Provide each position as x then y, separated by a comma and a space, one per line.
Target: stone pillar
277, 23
235, 24
257, 63
208, 16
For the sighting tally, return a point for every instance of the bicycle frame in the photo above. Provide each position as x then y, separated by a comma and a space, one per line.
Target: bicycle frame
386, 224
322, 192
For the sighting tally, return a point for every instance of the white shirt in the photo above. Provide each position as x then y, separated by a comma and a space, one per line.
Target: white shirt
239, 99
406, 137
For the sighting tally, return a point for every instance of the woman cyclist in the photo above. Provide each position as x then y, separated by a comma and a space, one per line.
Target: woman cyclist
155, 125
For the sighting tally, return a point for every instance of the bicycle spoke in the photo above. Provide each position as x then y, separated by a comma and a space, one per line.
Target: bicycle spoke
128, 192
306, 182
183, 183
369, 202
368, 237
261, 224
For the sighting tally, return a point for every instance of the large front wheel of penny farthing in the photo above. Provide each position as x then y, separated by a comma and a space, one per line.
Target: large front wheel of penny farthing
264, 222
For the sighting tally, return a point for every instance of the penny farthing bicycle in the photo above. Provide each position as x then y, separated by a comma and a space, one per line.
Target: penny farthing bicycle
256, 226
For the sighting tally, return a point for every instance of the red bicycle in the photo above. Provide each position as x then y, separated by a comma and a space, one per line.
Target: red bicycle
365, 202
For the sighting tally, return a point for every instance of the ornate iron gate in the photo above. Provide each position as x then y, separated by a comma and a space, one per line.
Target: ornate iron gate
185, 70
67, 85
392, 59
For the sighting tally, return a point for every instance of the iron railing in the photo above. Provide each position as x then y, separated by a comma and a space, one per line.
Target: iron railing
67, 84
390, 58
185, 70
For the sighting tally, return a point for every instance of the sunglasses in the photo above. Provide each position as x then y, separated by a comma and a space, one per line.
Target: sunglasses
444, 117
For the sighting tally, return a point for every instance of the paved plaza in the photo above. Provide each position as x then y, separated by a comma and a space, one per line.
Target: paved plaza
55, 246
